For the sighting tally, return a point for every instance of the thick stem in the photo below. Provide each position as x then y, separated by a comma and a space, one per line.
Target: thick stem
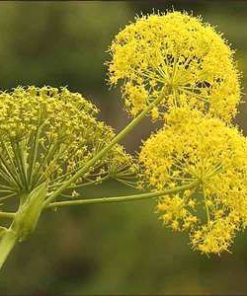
24, 221
7, 243
121, 198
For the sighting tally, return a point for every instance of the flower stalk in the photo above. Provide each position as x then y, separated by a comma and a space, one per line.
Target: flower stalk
7, 215
125, 198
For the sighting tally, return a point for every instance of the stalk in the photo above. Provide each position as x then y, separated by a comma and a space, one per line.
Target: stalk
7, 243
121, 198
7, 215
24, 221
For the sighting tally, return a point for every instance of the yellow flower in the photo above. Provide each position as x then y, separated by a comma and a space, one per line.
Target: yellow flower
47, 135
194, 147
176, 56
215, 237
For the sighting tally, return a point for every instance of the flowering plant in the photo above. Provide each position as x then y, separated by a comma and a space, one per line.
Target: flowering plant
173, 68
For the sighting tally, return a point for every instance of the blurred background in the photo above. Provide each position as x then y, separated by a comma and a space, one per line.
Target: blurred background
117, 248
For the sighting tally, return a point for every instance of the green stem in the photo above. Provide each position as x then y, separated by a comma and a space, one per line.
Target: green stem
34, 152
7, 215
103, 152
24, 221
7, 243
206, 204
121, 198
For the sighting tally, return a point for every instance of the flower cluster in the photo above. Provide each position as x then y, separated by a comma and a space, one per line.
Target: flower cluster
190, 67
47, 135
178, 57
193, 147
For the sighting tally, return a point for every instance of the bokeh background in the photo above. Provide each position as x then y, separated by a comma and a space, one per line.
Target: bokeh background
117, 248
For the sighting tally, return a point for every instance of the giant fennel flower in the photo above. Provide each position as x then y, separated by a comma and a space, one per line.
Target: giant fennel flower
46, 135
196, 148
178, 57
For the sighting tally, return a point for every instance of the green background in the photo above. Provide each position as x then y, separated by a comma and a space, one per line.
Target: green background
117, 248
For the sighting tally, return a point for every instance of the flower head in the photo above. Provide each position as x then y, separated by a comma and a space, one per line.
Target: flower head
176, 56
47, 135
197, 148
